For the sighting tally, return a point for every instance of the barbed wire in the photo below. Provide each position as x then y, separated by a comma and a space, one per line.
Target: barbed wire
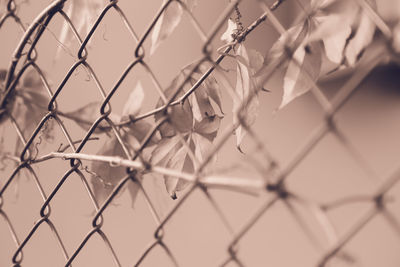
328, 246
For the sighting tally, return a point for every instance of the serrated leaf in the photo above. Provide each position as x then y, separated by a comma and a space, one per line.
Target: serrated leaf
107, 176
83, 15
244, 88
302, 72
134, 102
231, 29
168, 21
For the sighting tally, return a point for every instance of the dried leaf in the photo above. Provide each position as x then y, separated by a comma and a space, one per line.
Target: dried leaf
83, 15
107, 176
168, 21
245, 87
231, 29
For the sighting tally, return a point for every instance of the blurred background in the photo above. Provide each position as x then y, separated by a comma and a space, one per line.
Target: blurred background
195, 234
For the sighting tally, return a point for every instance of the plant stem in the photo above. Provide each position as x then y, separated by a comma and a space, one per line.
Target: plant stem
251, 186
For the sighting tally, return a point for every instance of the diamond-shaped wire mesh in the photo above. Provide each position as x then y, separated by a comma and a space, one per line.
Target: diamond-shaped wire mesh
321, 195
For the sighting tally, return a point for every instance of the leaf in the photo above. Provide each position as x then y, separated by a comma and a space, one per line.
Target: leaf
83, 15
207, 90
170, 153
291, 39
245, 88
303, 71
88, 114
335, 43
202, 147
163, 149
135, 100
201, 105
28, 105
208, 125
139, 130
335, 22
196, 117
362, 38
231, 29
180, 116
106, 176
213, 91
168, 21
176, 163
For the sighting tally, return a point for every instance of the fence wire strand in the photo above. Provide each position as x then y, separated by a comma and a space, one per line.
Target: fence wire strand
328, 246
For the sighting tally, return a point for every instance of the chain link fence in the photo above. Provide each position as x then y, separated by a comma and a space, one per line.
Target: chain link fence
283, 216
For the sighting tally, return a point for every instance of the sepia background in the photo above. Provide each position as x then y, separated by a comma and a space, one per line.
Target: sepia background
285, 235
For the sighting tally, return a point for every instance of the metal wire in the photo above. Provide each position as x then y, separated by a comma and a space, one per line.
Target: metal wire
329, 246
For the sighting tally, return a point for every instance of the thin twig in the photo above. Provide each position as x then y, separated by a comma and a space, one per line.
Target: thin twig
237, 183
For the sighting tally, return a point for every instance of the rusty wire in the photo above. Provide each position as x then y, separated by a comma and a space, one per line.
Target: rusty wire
276, 174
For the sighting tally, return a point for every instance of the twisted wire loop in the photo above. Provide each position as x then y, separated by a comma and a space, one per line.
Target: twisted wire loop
329, 245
